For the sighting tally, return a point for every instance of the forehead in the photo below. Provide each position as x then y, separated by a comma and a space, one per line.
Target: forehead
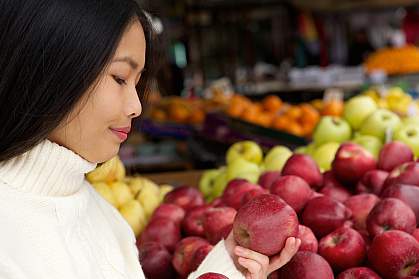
133, 44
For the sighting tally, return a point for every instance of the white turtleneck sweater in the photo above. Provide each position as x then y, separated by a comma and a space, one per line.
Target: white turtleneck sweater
54, 225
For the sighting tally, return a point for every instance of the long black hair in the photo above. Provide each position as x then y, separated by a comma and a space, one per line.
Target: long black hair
51, 53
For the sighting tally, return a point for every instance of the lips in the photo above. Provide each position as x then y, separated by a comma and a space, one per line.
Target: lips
121, 133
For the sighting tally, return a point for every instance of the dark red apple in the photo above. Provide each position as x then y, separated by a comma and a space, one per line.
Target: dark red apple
218, 222
407, 173
163, 231
306, 168
156, 261
351, 163
390, 214
323, 215
308, 239
171, 211
250, 195
293, 190
267, 178
234, 192
358, 273
193, 223
200, 254
416, 234
212, 275
394, 154
218, 202
394, 254
406, 193
185, 197
329, 180
360, 206
340, 194
184, 255
264, 224
344, 248
372, 182
306, 265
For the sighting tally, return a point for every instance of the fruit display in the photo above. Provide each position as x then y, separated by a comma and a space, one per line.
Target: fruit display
136, 198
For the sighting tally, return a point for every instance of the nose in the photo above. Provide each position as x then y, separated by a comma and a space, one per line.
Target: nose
133, 106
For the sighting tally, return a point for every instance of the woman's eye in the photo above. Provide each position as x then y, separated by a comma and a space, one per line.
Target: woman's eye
120, 81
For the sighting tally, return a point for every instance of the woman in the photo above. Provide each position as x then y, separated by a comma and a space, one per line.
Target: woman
71, 72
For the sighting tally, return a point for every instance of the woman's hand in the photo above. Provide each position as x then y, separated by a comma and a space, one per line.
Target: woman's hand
259, 266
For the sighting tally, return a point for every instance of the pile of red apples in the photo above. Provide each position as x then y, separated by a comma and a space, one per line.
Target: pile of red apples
356, 221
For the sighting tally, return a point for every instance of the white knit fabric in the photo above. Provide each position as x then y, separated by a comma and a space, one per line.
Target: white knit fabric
54, 225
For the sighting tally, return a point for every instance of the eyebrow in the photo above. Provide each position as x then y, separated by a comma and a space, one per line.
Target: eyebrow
130, 61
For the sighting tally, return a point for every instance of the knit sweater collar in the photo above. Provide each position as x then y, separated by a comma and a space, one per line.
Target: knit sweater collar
48, 169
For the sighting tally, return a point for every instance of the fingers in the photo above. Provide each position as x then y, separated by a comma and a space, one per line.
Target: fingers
255, 269
291, 247
250, 254
255, 263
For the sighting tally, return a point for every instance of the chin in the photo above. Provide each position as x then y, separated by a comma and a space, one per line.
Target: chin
104, 154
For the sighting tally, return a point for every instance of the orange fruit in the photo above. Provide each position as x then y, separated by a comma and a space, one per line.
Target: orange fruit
272, 103
197, 117
294, 112
333, 108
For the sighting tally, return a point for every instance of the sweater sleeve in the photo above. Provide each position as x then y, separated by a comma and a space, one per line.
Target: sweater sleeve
218, 261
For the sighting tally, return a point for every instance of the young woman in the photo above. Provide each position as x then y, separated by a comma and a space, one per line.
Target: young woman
72, 73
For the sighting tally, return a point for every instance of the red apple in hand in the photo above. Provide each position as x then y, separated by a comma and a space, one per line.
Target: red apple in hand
308, 239
264, 224
305, 167
212, 275
394, 154
293, 190
358, 273
171, 211
218, 222
235, 190
407, 173
361, 206
390, 214
351, 163
306, 265
184, 256
394, 254
344, 248
372, 182
185, 197
406, 193
193, 224
156, 261
163, 231
267, 178
324, 215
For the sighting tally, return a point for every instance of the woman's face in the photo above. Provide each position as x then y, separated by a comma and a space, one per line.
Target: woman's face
101, 121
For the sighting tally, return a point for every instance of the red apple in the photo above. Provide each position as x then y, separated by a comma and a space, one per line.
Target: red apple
306, 168
218, 202
306, 265
329, 180
250, 195
394, 154
360, 206
212, 275
234, 192
171, 211
344, 248
264, 224
323, 215
416, 234
406, 193
351, 163
267, 178
390, 214
200, 254
358, 273
337, 193
184, 255
185, 197
218, 222
193, 223
308, 239
407, 173
156, 261
293, 190
372, 182
163, 231
394, 254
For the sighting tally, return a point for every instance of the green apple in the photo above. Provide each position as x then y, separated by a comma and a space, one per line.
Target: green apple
207, 181
248, 150
409, 134
331, 129
370, 143
276, 158
301, 150
411, 120
240, 167
378, 123
325, 154
220, 182
357, 109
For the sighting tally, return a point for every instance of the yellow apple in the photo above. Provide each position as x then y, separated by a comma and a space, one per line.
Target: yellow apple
164, 189
134, 214
105, 191
248, 150
121, 192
